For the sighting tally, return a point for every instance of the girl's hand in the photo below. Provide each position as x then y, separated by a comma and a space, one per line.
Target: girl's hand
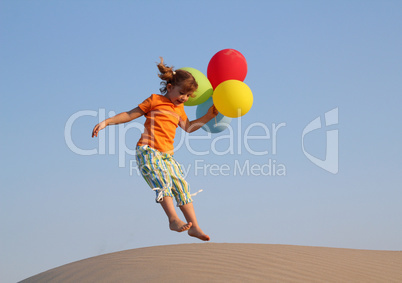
212, 111
98, 127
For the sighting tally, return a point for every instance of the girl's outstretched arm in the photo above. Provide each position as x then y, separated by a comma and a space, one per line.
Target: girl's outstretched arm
191, 126
123, 117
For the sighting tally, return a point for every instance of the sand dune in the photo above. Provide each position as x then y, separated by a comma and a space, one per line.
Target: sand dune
213, 262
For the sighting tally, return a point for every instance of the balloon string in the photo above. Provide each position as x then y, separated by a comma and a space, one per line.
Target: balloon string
215, 122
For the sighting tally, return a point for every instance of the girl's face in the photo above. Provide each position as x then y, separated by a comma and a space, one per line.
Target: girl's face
176, 95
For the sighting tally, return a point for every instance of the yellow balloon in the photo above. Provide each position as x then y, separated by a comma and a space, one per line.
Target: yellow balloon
232, 98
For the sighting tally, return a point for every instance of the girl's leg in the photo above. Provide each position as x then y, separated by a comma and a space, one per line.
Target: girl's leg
175, 223
194, 230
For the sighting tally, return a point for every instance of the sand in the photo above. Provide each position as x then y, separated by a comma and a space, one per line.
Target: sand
219, 262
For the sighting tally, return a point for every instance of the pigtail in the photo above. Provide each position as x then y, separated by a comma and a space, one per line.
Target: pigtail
166, 73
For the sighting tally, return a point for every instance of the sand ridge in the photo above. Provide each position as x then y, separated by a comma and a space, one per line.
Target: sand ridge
224, 262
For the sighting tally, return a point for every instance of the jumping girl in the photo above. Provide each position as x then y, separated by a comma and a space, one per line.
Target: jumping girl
154, 151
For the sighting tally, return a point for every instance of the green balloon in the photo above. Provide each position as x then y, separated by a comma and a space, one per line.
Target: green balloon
204, 90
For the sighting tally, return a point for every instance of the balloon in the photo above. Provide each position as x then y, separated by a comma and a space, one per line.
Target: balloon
233, 98
219, 124
204, 90
227, 64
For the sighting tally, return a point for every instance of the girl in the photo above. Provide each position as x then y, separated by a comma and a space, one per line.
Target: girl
154, 152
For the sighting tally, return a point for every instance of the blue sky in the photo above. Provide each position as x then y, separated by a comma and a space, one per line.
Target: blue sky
304, 58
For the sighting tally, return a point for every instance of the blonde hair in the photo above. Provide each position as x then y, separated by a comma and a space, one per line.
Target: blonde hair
179, 77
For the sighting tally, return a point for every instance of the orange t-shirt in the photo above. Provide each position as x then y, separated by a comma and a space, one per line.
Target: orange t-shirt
162, 119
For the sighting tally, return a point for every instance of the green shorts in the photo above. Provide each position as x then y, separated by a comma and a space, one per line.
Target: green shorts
163, 174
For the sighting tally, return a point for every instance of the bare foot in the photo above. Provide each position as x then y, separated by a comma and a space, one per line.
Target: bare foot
179, 226
197, 232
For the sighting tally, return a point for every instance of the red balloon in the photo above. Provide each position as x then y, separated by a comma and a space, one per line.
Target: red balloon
227, 64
